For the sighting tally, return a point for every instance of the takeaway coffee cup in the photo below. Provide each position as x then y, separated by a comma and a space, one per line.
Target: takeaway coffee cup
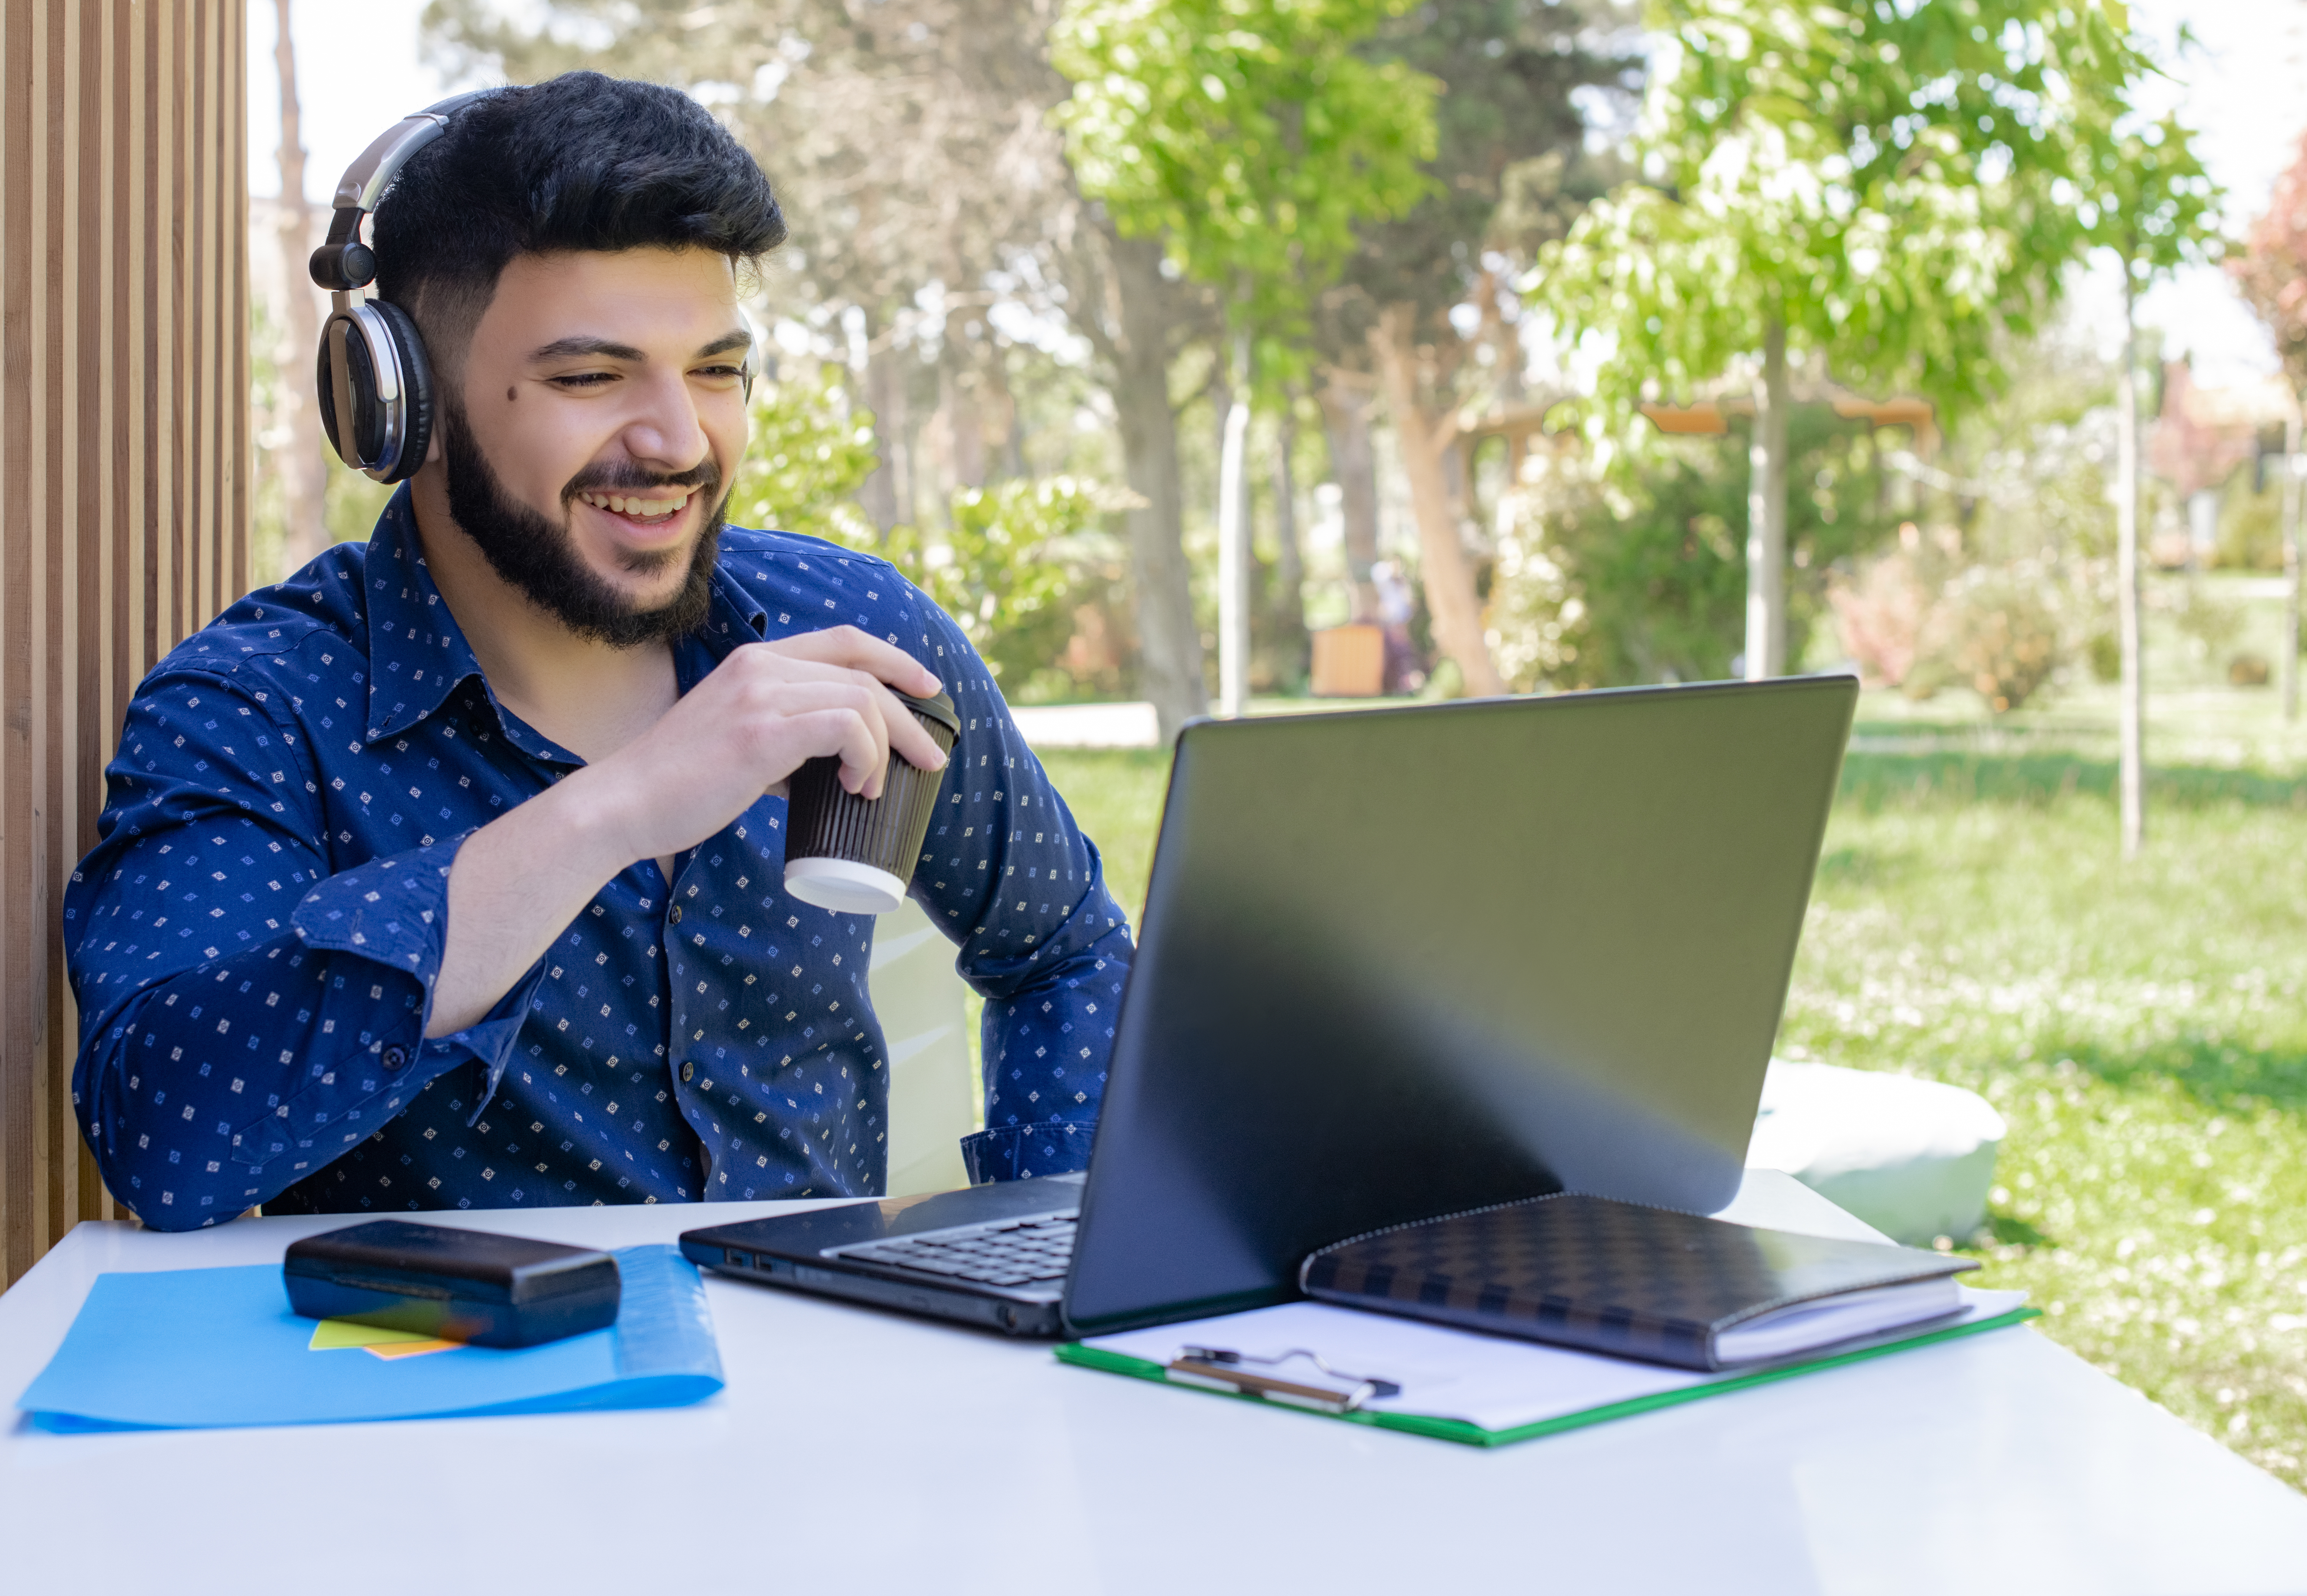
855, 854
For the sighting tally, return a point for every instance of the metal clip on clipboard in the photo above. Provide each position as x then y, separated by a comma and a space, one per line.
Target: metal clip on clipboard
1220, 1369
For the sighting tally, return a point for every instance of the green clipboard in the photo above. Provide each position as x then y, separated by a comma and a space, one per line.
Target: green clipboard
1086, 1356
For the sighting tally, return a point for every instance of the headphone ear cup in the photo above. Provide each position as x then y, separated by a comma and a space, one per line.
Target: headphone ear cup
365, 428
415, 390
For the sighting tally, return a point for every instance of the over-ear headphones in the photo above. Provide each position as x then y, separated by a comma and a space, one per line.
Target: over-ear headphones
376, 388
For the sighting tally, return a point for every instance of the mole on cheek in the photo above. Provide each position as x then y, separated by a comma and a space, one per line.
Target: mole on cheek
511, 394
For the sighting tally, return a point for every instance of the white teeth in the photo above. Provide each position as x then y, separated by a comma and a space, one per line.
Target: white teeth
624, 505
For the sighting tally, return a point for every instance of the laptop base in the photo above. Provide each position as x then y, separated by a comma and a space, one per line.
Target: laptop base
815, 1252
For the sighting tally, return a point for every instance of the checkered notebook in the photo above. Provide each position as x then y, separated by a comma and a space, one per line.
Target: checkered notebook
1636, 1281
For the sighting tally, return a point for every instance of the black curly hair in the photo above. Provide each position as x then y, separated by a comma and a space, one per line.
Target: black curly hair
579, 162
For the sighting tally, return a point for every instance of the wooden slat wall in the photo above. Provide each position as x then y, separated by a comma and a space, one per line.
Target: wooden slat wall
124, 466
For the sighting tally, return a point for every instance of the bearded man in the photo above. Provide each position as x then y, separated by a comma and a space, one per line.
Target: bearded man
448, 873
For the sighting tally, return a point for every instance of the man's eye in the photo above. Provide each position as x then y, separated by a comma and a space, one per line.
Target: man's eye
582, 379
721, 374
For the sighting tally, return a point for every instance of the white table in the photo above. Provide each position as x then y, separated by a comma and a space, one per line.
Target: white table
862, 1452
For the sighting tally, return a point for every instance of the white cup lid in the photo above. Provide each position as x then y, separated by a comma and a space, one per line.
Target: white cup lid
844, 886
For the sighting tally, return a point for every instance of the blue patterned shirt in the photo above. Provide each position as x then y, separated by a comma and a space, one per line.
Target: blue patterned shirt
255, 939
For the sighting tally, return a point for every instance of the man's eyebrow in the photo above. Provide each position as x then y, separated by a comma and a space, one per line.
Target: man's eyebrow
602, 348
609, 349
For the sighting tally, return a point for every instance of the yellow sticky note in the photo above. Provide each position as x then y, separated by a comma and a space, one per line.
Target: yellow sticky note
410, 1349
332, 1334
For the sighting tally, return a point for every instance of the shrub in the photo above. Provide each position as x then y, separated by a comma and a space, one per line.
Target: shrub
1882, 614
2003, 633
1628, 565
2209, 625
1018, 567
1020, 563
809, 454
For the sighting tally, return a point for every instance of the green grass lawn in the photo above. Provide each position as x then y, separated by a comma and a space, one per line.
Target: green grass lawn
2139, 1026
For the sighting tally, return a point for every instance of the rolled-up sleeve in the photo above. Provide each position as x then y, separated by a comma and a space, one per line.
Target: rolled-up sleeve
247, 1014
1010, 875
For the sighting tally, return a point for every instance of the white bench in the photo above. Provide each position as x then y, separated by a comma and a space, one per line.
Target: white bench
1913, 1158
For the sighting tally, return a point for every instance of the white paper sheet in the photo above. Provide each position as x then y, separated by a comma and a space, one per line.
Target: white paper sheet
1493, 1381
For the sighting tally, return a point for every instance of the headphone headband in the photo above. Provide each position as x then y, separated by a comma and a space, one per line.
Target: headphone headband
344, 262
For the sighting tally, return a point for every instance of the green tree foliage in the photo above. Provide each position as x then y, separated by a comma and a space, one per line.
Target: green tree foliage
1248, 134
1884, 190
2145, 196
1893, 185
1508, 170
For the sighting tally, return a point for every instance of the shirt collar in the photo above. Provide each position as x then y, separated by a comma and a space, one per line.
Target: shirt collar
418, 655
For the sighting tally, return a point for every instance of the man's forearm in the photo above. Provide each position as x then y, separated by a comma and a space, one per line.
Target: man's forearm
515, 886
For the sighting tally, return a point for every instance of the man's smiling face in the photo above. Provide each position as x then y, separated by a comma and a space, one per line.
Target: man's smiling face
592, 433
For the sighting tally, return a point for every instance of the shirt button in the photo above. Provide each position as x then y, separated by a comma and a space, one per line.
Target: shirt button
394, 1057
688, 1073
672, 915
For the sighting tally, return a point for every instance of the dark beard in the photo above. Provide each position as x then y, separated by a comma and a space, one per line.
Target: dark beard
541, 561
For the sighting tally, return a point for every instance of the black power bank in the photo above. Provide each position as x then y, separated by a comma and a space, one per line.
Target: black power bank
466, 1285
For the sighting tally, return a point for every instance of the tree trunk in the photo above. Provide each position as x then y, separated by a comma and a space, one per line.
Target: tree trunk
2127, 577
886, 493
1233, 541
999, 409
304, 471
964, 421
1766, 515
1447, 576
1169, 642
1289, 561
1345, 422
2291, 496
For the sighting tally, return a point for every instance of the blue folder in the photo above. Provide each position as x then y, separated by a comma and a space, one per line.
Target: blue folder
189, 1349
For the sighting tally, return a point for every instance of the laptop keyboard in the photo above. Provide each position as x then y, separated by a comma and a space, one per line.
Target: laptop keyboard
1019, 1252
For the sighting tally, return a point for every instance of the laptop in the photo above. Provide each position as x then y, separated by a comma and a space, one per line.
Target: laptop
1395, 963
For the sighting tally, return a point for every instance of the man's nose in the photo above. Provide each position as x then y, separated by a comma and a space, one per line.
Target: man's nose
663, 430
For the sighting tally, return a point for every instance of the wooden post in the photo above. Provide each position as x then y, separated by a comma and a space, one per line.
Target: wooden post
124, 457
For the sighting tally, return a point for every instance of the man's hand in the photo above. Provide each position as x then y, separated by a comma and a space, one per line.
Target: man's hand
738, 734
745, 729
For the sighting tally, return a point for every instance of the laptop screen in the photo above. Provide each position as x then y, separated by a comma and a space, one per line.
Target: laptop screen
1403, 962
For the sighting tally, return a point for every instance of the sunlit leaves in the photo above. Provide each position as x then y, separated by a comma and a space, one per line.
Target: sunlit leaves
2145, 196
1896, 185
1247, 133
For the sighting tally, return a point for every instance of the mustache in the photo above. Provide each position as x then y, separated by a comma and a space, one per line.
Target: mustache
623, 476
